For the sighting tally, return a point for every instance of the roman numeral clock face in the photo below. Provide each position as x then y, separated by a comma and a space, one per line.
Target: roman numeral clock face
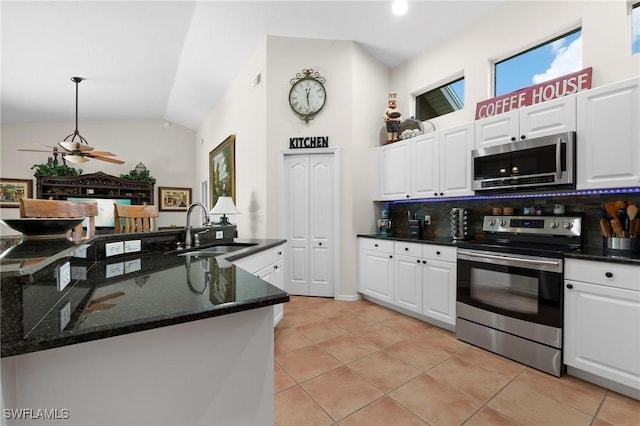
307, 95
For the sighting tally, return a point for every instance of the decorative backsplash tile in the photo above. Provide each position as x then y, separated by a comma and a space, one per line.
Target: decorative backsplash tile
588, 205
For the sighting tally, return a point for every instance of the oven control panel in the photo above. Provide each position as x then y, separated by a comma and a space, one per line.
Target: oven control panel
570, 226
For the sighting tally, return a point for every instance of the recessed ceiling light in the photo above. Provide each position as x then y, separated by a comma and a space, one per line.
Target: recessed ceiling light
399, 7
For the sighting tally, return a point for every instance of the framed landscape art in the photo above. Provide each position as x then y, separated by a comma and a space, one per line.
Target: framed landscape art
13, 189
222, 170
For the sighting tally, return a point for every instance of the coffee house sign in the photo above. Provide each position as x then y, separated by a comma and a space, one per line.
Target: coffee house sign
562, 86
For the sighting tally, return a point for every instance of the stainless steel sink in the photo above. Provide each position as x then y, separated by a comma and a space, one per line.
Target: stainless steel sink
217, 250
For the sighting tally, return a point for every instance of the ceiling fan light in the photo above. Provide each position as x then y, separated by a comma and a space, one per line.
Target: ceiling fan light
76, 159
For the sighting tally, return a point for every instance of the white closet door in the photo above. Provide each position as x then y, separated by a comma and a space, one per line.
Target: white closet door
297, 223
321, 213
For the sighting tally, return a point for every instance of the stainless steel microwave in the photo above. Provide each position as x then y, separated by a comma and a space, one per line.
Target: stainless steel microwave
538, 163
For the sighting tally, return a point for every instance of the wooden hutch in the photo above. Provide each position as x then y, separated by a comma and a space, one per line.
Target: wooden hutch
94, 185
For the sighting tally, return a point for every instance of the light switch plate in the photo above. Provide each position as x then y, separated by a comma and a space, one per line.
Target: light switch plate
427, 219
219, 235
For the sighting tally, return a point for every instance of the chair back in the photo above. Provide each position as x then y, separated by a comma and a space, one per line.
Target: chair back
31, 207
135, 218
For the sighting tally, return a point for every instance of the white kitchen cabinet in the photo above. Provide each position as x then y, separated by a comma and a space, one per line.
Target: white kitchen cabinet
269, 266
454, 161
602, 323
547, 118
414, 277
394, 172
408, 276
377, 269
425, 176
608, 151
432, 165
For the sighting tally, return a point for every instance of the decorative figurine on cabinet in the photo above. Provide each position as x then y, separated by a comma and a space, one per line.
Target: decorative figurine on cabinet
392, 119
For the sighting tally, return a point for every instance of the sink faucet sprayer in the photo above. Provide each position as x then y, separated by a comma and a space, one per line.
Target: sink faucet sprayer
187, 238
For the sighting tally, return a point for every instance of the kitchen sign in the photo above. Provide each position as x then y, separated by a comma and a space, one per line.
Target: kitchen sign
561, 86
309, 142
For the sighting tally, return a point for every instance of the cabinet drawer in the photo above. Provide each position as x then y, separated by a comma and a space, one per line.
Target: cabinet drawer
258, 261
617, 275
376, 245
408, 249
435, 252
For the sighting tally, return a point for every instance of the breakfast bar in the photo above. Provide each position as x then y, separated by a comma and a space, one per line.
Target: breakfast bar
189, 335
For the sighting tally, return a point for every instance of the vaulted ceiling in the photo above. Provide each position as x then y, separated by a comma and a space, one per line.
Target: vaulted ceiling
173, 60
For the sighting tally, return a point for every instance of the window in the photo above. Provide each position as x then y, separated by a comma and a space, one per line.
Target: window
635, 28
440, 101
555, 58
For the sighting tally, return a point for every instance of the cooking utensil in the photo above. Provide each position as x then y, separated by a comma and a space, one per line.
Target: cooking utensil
617, 228
611, 209
632, 212
634, 228
624, 220
605, 227
620, 204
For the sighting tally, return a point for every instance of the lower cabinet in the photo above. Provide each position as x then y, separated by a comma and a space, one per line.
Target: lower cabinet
269, 266
602, 323
415, 277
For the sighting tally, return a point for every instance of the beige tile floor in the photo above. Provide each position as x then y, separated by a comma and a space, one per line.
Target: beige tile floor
357, 363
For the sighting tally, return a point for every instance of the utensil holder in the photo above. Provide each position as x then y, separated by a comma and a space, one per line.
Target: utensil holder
621, 246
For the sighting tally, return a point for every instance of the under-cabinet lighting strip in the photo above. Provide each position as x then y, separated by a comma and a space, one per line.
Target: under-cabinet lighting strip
530, 195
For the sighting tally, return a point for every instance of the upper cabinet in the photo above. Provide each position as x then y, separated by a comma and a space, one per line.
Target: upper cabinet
431, 165
547, 118
608, 151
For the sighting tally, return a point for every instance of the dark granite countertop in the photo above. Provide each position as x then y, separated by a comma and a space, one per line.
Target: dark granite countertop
111, 296
438, 241
601, 255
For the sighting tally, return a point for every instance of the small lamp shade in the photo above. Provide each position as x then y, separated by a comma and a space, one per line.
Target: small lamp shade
224, 206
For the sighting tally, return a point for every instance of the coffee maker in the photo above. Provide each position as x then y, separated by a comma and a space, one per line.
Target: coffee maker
384, 223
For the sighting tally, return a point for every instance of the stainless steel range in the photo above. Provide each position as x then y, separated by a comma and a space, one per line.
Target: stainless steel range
510, 287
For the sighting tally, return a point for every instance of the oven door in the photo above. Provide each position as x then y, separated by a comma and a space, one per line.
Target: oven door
528, 288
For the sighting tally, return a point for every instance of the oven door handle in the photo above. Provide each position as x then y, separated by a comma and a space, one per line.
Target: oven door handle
511, 259
559, 158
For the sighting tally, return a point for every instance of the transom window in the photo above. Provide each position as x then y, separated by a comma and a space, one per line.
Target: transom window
440, 101
555, 58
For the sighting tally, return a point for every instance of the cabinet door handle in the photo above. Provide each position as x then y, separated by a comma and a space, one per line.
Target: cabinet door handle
569, 286
375, 245
523, 136
390, 257
418, 261
275, 266
424, 261
513, 138
608, 274
438, 253
279, 253
407, 195
320, 243
406, 249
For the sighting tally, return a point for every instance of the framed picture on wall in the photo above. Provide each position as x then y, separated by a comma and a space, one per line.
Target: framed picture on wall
174, 199
13, 189
222, 171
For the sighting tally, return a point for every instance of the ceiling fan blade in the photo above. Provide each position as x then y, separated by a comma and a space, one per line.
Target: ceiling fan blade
75, 146
100, 154
34, 150
109, 160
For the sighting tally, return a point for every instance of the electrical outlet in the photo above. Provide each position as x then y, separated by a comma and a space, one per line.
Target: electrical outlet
113, 249
65, 315
81, 251
114, 269
219, 235
132, 266
427, 219
63, 276
132, 246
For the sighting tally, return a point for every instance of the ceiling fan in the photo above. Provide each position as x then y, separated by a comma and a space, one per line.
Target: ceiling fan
75, 148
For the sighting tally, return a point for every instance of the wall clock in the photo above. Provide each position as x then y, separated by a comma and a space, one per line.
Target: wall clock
307, 95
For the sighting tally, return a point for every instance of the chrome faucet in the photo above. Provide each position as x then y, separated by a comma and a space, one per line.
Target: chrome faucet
187, 238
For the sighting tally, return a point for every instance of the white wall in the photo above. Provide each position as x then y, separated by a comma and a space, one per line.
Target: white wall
242, 111
512, 28
166, 149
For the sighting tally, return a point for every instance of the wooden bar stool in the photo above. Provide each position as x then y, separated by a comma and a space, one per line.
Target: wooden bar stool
31, 207
135, 218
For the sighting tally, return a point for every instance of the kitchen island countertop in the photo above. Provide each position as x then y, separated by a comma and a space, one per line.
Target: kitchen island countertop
111, 296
